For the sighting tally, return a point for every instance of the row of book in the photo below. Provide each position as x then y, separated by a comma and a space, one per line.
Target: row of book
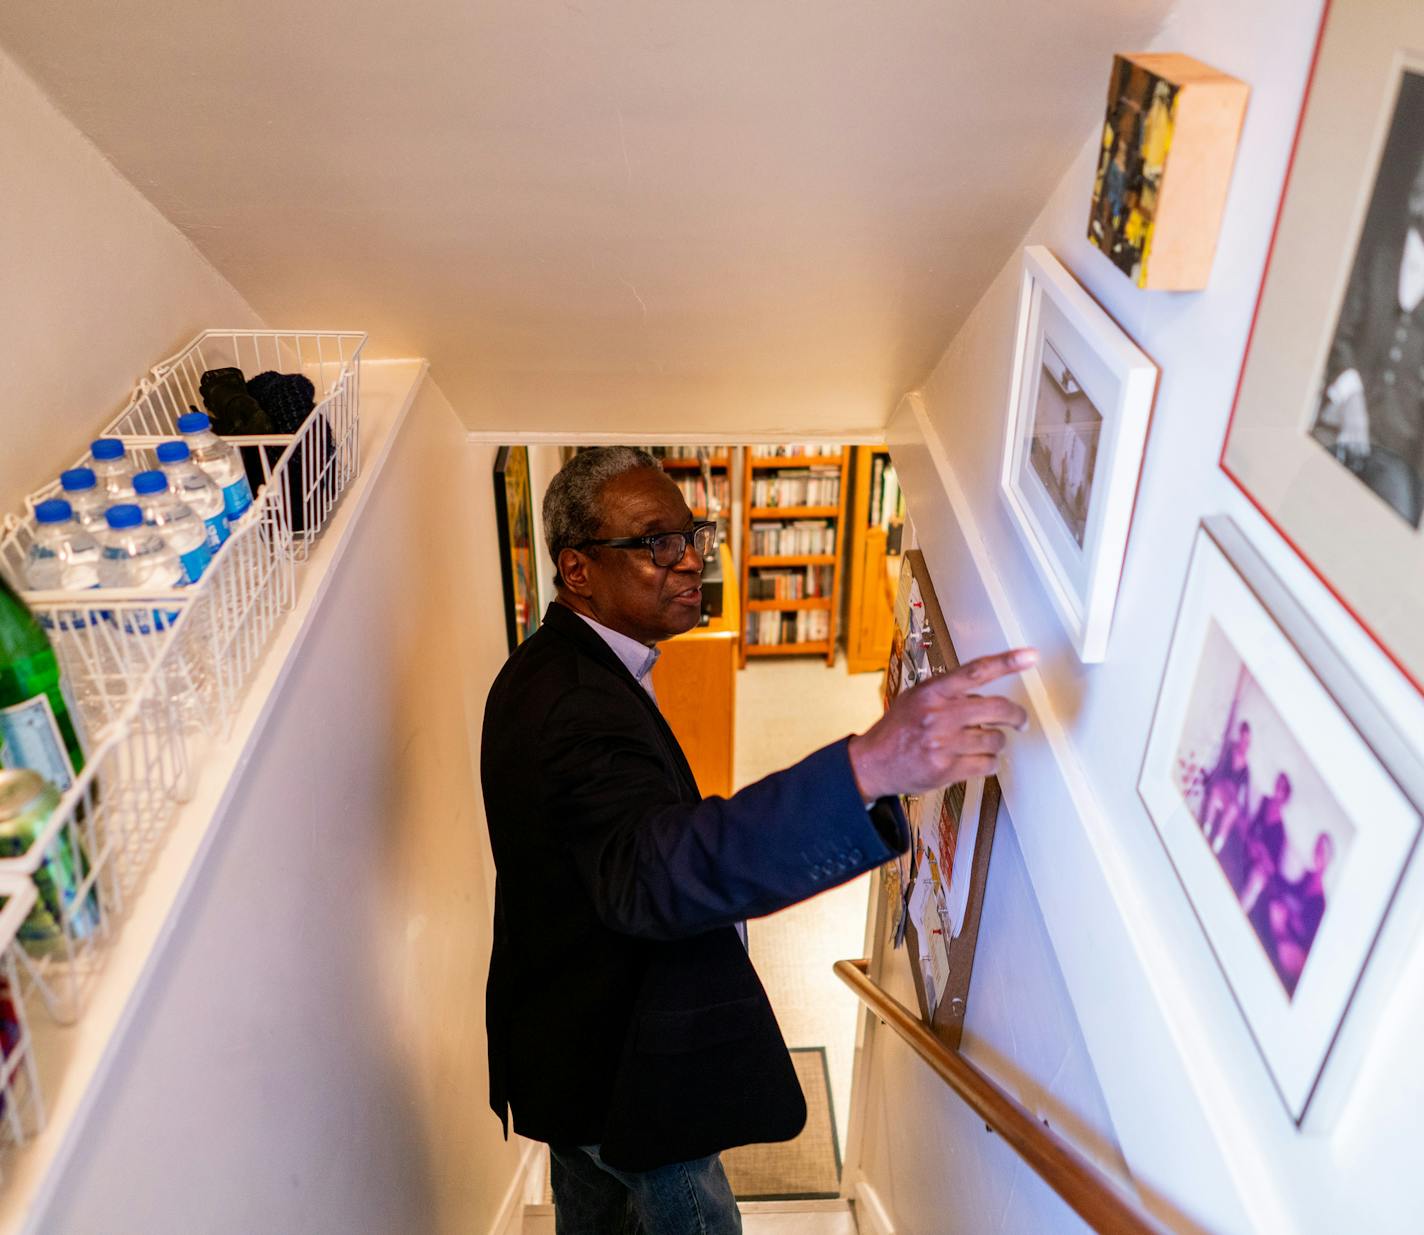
801, 536
807, 449
815, 486
694, 492
688, 452
887, 503
802, 626
794, 583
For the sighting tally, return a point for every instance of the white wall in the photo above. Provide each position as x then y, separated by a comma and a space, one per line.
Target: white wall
97, 287
311, 1054
1189, 1098
929, 1158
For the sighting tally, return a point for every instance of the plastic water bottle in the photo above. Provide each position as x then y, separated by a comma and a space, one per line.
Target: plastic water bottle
82, 492
220, 461
63, 556
134, 555
180, 527
195, 488
112, 468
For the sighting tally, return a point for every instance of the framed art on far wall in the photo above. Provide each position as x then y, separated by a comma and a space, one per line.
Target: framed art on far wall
1327, 434
1288, 806
1078, 410
514, 514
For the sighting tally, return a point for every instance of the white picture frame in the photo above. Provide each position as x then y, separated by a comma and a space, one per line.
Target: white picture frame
1292, 922
1079, 406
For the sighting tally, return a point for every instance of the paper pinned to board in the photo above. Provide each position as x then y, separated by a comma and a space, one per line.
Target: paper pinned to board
926, 911
965, 843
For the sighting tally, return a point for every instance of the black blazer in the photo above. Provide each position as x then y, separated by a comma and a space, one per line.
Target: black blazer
622, 1008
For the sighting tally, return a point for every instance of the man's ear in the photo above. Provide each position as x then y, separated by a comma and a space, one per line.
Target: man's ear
573, 571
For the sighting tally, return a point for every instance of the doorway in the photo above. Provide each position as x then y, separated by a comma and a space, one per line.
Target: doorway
790, 657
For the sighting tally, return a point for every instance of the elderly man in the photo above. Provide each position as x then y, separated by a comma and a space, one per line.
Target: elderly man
627, 1027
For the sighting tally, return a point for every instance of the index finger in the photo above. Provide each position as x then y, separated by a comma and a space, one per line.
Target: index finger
976, 673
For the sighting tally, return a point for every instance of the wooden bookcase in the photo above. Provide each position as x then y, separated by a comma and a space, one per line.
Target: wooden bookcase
874, 573
682, 468
756, 467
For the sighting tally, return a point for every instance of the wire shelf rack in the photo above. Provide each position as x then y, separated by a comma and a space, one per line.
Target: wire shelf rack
90, 855
108, 640
313, 466
22, 1109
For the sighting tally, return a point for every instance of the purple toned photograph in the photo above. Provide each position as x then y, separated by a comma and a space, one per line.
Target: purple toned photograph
1279, 837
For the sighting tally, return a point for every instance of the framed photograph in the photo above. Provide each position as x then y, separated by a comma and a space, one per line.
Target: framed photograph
1327, 433
1164, 166
1078, 412
514, 513
1288, 805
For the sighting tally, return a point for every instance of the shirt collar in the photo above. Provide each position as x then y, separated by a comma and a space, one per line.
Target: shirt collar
638, 658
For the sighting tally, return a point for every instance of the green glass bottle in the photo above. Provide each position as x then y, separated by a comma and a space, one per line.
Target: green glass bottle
36, 727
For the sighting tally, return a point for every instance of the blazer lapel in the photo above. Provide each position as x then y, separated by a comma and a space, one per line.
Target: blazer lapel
568, 623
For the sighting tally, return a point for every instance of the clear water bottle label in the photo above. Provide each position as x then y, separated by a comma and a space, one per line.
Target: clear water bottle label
217, 530
237, 497
71, 619
145, 621
195, 561
30, 738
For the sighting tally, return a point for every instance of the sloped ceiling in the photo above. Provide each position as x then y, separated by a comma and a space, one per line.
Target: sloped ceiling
721, 216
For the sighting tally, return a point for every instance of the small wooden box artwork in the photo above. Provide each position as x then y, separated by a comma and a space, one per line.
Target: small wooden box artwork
1169, 142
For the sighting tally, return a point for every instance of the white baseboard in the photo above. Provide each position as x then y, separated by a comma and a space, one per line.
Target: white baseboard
526, 1187
871, 1216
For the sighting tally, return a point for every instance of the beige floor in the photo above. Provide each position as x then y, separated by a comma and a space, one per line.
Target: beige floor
786, 708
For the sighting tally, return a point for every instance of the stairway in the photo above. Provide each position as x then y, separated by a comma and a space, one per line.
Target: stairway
758, 1218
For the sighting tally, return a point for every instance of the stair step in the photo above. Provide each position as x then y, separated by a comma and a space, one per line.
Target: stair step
758, 1218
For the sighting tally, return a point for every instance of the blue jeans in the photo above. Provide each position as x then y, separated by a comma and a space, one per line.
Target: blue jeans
685, 1198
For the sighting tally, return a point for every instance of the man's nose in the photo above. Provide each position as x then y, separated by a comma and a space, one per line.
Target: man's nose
690, 560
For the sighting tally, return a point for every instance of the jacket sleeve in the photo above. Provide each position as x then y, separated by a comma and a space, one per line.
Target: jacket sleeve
661, 868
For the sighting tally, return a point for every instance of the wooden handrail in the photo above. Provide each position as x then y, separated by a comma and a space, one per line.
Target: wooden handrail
1097, 1198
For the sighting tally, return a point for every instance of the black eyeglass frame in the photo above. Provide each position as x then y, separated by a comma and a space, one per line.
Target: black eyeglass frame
648, 542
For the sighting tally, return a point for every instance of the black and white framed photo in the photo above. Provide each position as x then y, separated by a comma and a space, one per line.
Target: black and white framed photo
1287, 803
1078, 412
1327, 432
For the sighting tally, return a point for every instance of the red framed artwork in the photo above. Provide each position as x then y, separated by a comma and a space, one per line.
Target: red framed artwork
1326, 437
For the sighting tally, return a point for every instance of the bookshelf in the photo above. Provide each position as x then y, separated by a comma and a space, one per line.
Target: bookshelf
875, 523
793, 513
680, 462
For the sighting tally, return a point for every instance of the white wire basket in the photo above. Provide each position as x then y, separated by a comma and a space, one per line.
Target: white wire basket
208, 637
315, 465
97, 844
22, 1110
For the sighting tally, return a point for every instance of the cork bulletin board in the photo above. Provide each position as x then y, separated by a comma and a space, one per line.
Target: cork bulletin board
934, 895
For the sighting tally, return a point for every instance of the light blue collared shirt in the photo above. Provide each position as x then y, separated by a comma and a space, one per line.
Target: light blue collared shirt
638, 658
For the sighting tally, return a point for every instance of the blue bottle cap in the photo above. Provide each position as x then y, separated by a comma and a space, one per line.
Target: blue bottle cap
107, 449
77, 479
194, 422
127, 515
173, 452
150, 482
56, 510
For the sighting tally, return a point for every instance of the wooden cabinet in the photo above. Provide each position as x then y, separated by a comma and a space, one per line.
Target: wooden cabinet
875, 510
695, 680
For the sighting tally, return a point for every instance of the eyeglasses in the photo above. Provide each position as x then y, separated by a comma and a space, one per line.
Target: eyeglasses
667, 548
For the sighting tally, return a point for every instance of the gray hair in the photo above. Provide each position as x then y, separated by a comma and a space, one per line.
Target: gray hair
572, 510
